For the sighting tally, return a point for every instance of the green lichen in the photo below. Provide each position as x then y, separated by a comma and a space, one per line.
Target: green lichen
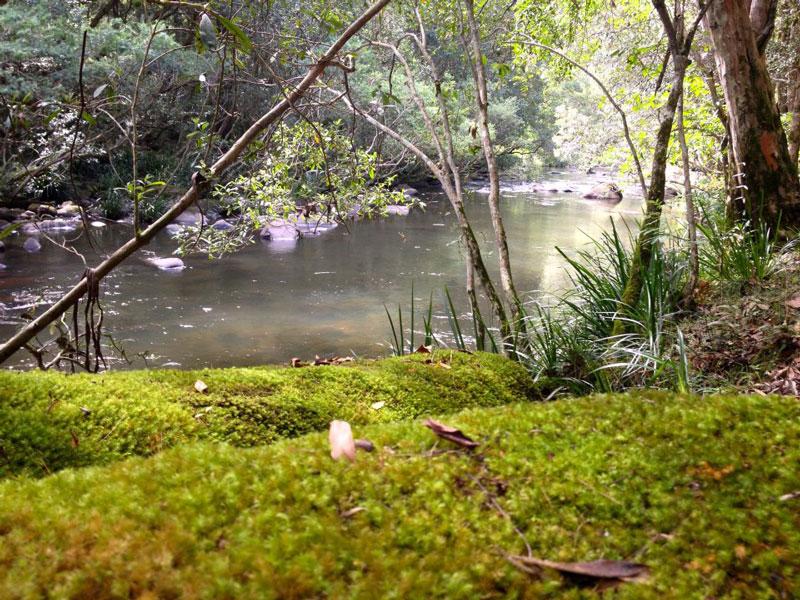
689, 486
49, 421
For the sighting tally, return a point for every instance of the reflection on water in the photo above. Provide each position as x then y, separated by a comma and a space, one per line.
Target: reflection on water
318, 296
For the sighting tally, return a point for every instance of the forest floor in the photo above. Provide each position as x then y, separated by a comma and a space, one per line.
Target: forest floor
746, 336
703, 492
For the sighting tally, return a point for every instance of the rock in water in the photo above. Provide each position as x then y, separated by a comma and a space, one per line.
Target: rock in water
222, 225
32, 245
98, 224
397, 209
2, 267
604, 191
167, 264
2, 247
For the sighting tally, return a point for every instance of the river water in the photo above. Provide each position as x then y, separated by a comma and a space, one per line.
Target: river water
317, 296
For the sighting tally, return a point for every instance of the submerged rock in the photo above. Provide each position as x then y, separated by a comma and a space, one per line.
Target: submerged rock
171, 263
173, 229
604, 191
98, 224
32, 245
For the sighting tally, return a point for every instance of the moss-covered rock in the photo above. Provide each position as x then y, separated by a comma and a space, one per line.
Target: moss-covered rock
49, 421
692, 487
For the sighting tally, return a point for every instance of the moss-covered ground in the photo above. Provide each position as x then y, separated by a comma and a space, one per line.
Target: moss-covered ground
690, 486
49, 421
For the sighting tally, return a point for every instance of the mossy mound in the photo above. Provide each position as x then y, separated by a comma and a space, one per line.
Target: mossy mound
691, 487
49, 421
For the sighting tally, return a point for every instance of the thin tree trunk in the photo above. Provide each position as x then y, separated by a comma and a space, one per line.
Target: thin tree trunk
771, 189
794, 126
200, 185
691, 225
482, 102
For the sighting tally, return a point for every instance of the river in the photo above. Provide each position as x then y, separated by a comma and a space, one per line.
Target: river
317, 296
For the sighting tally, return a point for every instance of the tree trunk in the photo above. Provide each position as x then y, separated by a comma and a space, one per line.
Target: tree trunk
476, 58
771, 190
691, 225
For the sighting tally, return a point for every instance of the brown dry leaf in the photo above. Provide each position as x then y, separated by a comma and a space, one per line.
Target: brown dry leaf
444, 365
365, 445
340, 437
75, 441
597, 571
740, 551
297, 363
789, 496
423, 349
451, 434
200, 387
794, 302
321, 361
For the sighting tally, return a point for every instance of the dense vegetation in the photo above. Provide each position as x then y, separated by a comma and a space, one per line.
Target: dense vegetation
262, 115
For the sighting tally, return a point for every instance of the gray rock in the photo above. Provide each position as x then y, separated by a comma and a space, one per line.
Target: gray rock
173, 229
3, 267
222, 225
68, 209
604, 191
32, 245
408, 191
2, 246
397, 209
6, 213
171, 263
98, 224
27, 215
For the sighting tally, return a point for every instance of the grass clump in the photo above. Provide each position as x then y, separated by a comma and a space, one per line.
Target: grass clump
690, 487
49, 421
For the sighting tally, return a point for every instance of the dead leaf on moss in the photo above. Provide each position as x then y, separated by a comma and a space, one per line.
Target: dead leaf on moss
423, 349
200, 387
377, 405
75, 441
790, 496
444, 365
352, 511
794, 302
451, 434
603, 572
297, 363
365, 445
340, 436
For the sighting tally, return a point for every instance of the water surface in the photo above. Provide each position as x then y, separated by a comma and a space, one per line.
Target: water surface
317, 296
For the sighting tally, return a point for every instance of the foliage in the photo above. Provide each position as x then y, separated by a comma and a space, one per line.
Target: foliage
49, 421
689, 486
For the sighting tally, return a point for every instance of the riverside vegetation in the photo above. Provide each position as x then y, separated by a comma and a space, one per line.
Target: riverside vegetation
646, 418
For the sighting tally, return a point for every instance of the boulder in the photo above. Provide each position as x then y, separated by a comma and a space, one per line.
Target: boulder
32, 245
222, 225
279, 229
173, 229
172, 263
397, 209
6, 213
68, 209
408, 191
604, 191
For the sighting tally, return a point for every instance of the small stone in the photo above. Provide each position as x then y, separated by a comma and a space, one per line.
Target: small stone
167, 264
200, 387
32, 245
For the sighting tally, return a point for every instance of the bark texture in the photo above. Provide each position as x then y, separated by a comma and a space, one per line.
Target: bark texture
770, 190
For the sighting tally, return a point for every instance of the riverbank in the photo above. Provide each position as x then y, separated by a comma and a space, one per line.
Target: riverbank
700, 490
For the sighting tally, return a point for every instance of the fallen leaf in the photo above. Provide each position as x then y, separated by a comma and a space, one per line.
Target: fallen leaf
794, 302
340, 437
596, 571
365, 445
297, 363
789, 496
451, 434
352, 511
444, 365
423, 349
377, 405
75, 441
200, 387
740, 551
321, 361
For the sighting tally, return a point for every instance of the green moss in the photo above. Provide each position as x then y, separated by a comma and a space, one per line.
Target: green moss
49, 421
689, 486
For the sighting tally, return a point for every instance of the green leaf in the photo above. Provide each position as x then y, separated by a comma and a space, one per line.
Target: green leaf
88, 118
245, 43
